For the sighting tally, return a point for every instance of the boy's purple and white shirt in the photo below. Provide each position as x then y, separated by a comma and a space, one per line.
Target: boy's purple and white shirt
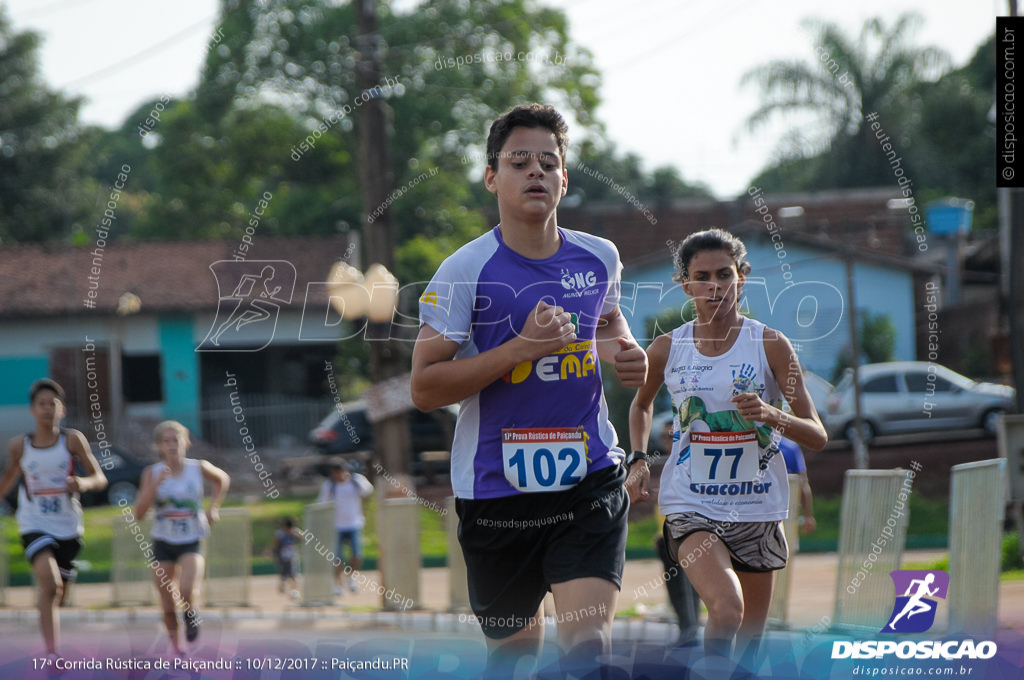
544, 425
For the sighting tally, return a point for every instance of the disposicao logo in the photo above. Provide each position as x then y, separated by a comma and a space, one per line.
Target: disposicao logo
914, 610
917, 595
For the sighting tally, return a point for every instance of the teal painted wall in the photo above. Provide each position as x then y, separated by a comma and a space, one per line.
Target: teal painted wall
180, 371
17, 374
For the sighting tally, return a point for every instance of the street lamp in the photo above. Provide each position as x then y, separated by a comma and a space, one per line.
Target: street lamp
373, 296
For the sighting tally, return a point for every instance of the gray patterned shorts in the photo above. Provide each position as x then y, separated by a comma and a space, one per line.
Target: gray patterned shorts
753, 546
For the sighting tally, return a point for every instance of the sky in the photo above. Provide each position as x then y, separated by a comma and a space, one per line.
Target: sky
671, 70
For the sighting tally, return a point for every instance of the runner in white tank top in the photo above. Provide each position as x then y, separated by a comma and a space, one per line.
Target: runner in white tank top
49, 513
179, 503
723, 488
175, 487
44, 504
722, 465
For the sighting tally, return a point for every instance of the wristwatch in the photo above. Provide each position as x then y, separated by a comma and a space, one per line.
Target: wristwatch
635, 456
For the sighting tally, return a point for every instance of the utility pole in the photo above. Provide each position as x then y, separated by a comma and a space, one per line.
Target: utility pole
860, 449
391, 435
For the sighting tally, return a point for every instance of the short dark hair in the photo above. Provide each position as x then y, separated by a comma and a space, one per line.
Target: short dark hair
289, 522
528, 116
45, 384
709, 239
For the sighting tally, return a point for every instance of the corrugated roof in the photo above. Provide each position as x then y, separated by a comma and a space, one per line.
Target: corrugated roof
40, 280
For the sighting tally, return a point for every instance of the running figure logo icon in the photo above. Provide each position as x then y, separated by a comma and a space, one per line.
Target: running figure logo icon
257, 288
914, 610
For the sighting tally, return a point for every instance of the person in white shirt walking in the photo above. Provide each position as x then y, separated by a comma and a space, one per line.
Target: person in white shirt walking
347, 491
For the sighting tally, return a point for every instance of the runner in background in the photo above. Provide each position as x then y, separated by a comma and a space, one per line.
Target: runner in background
49, 512
795, 465
174, 486
681, 593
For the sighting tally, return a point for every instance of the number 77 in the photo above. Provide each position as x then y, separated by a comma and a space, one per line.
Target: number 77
736, 454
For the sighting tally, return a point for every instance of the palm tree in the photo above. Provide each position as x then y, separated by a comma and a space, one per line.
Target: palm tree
844, 82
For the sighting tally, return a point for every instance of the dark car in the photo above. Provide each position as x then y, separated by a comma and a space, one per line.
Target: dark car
123, 472
346, 429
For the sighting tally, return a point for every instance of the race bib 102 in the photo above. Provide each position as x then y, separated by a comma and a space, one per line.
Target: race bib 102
544, 459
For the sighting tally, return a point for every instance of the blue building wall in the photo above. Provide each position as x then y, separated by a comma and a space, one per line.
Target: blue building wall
18, 375
812, 312
180, 374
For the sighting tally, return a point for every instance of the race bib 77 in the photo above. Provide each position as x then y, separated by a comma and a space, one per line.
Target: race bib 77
717, 457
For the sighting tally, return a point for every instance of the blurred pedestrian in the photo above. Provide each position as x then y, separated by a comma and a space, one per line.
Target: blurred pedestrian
681, 593
347, 491
285, 551
795, 465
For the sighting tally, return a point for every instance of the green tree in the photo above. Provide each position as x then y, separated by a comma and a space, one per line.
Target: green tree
597, 166
845, 81
952, 139
43, 195
877, 339
305, 56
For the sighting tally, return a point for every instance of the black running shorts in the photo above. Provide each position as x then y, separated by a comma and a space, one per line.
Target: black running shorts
516, 547
64, 551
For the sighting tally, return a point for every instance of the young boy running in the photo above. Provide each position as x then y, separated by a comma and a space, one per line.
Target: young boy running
49, 512
512, 326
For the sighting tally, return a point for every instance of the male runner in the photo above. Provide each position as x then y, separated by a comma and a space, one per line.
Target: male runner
49, 511
512, 326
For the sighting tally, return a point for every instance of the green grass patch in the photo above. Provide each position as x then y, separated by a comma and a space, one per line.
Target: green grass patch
929, 524
928, 517
267, 517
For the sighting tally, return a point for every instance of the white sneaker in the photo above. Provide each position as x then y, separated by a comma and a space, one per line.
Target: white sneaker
339, 591
353, 587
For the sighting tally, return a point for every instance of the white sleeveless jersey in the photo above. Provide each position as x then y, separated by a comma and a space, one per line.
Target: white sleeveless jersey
722, 465
179, 505
44, 504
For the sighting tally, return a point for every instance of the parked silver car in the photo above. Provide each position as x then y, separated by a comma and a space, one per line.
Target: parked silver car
916, 396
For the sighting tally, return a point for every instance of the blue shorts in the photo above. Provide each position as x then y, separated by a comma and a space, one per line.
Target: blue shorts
354, 537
